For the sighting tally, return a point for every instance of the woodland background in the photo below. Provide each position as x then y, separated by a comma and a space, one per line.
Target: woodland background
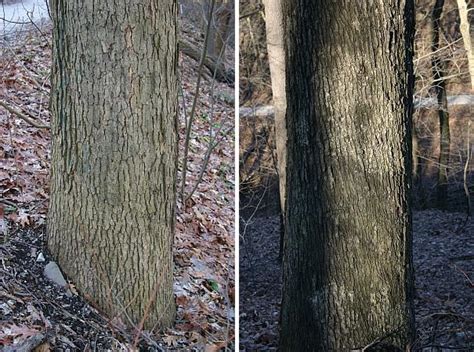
257, 157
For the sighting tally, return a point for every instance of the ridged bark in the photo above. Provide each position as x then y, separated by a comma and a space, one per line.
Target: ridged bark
347, 262
114, 104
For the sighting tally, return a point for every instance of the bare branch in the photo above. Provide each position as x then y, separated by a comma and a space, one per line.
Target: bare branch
22, 116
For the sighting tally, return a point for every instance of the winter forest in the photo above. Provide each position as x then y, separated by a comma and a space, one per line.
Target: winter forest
331, 166
252, 175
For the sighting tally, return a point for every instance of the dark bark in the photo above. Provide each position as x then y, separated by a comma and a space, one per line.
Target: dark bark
114, 153
347, 266
440, 87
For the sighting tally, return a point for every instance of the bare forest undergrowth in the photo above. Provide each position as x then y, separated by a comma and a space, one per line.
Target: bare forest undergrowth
444, 282
32, 307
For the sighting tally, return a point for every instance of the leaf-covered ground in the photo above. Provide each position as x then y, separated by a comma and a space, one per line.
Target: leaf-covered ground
30, 305
444, 282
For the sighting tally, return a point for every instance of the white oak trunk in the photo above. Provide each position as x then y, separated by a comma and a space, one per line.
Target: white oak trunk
114, 104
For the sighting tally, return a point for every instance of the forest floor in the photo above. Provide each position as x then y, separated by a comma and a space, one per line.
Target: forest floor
32, 308
444, 282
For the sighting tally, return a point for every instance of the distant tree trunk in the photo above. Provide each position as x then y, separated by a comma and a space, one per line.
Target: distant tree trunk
220, 28
205, 5
466, 36
440, 86
418, 169
276, 58
114, 106
347, 265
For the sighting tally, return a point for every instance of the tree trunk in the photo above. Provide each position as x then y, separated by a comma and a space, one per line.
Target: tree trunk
114, 135
440, 87
466, 36
347, 266
220, 30
418, 169
276, 58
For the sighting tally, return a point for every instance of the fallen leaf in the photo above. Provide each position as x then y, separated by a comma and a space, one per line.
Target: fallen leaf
215, 347
171, 340
44, 347
23, 218
17, 332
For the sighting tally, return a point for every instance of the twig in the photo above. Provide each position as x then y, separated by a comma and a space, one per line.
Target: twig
466, 168
444, 347
150, 302
377, 341
193, 108
7, 295
259, 9
228, 304
437, 51
212, 137
7, 202
28, 13
22, 116
13, 22
48, 9
211, 147
464, 273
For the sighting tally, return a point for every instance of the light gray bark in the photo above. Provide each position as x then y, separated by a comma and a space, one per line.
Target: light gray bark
466, 36
276, 58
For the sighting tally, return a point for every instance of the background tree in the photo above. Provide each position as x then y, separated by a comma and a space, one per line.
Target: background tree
347, 266
220, 29
450, 64
253, 64
276, 60
440, 87
220, 37
466, 36
114, 105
